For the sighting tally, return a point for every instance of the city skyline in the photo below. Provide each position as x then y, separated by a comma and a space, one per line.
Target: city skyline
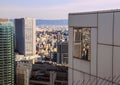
50, 9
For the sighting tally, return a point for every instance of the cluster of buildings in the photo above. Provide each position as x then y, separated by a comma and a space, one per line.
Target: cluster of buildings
47, 43
20, 49
51, 27
92, 55
21, 39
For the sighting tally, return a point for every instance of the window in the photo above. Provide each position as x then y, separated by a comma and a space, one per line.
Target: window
81, 43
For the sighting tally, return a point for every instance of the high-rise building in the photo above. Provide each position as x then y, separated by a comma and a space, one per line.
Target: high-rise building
25, 36
94, 48
6, 54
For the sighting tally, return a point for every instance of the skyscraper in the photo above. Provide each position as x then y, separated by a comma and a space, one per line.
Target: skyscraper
25, 36
6, 54
94, 48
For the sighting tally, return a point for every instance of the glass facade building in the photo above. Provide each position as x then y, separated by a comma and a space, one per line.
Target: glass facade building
6, 54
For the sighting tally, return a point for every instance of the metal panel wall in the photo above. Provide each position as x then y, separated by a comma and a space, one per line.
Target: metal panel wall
93, 50
116, 64
116, 50
105, 61
87, 20
78, 78
70, 56
117, 29
81, 65
105, 45
70, 76
105, 25
70, 47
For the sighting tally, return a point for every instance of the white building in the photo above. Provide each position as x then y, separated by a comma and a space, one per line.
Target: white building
25, 36
94, 48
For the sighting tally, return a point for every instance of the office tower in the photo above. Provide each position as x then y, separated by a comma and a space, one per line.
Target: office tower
6, 54
25, 36
94, 48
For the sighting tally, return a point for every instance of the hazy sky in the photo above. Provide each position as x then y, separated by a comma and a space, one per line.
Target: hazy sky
52, 9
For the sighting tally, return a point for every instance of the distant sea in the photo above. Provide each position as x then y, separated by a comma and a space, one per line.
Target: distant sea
49, 22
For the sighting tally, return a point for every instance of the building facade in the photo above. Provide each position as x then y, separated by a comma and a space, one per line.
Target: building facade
25, 36
62, 52
23, 72
6, 54
94, 48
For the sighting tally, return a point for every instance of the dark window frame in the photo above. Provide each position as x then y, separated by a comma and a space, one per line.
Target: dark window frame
83, 47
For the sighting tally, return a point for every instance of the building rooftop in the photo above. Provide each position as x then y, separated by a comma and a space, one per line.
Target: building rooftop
94, 12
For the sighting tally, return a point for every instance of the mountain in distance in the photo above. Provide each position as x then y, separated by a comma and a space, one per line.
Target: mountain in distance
49, 22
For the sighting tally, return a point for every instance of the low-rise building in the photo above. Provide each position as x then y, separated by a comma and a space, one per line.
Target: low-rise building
23, 72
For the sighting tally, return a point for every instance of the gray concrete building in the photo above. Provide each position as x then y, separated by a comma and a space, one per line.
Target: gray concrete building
23, 72
94, 48
25, 29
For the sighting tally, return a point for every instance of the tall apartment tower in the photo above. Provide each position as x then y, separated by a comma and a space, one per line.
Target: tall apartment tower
25, 36
6, 54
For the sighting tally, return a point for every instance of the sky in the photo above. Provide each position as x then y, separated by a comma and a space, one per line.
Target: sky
52, 9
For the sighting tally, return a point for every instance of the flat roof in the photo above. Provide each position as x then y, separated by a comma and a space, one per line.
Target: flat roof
24, 18
95, 12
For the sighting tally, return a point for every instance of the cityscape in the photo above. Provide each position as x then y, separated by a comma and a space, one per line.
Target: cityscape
70, 46
34, 55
